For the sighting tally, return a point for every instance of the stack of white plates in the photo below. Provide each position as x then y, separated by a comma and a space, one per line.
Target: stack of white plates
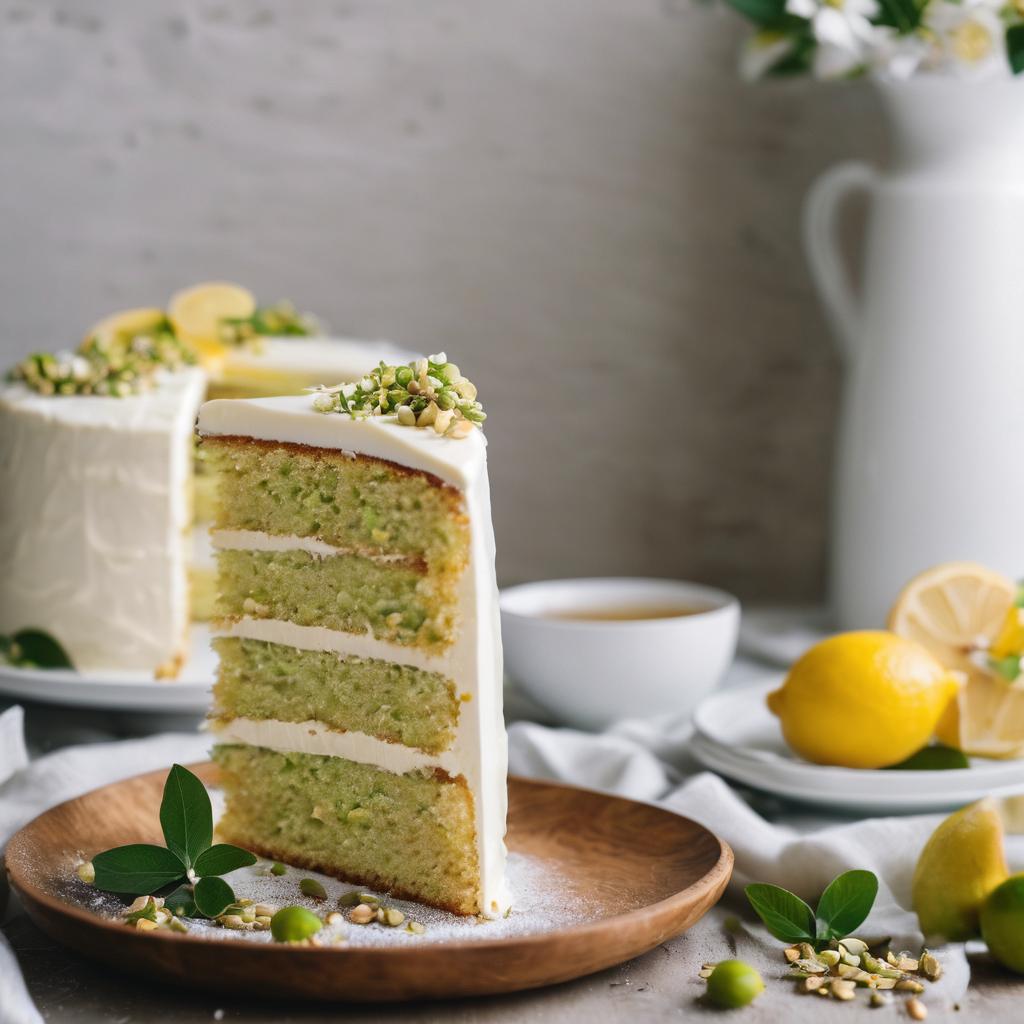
738, 737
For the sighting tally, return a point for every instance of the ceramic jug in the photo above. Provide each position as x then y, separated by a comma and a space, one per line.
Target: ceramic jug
930, 453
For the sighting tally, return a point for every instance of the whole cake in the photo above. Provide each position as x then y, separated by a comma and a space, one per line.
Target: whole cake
358, 705
99, 490
95, 463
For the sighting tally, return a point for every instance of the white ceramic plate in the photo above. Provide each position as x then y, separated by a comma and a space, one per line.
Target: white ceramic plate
123, 691
739, 738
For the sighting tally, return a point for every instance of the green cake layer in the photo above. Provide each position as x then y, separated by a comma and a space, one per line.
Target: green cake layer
393, 601
412, 835
351, 502
396, 703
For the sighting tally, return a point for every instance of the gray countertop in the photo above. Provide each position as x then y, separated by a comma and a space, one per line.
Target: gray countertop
660, 986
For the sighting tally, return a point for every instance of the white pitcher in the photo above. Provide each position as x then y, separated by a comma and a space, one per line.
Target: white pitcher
930, 460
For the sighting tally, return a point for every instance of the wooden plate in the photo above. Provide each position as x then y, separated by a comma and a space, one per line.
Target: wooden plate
634, 874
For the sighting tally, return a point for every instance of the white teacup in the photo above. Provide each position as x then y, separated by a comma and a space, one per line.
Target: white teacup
593, 651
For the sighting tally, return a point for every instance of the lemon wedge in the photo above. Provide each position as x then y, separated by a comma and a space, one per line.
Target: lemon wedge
198, 312
960, 610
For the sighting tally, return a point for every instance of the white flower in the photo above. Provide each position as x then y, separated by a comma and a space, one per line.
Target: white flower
969, 37
843, 31
762, 52
899, 56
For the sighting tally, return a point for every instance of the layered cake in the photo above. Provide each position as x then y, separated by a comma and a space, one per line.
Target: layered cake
98, 485
357, 710
95, 462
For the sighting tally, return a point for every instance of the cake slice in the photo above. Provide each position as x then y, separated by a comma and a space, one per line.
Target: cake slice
358, 705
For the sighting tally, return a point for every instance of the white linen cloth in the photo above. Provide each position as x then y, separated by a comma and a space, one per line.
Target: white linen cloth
644, 760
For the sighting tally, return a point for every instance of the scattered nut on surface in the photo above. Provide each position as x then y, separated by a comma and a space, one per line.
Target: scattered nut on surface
843, 989
916, 1009
86, 872
362, 914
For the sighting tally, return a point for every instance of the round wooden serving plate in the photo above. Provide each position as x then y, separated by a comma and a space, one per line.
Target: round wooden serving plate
642, 875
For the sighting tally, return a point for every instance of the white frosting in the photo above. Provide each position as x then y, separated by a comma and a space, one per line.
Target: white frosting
314, 737
93, 516
473, 662
358, 645
316, 360
291, 419
257, 540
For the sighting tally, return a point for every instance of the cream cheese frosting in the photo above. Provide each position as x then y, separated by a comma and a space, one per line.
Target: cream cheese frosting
315, 360
473, 662
291, 419
94, 510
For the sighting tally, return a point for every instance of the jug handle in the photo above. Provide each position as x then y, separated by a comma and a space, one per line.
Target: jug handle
821, 244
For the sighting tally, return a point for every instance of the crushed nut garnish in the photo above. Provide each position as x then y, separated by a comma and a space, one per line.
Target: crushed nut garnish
425, 393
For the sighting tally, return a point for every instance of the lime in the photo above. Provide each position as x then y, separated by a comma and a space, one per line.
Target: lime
733, 984
1002, 923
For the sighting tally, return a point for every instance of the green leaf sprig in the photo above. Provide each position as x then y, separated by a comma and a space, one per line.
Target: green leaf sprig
189, 861
33, 648
843, 907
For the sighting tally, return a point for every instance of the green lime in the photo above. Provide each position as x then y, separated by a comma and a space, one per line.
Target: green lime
1002, 923
734, 983
293, 924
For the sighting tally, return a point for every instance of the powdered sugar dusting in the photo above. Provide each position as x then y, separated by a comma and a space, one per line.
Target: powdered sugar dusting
543, 900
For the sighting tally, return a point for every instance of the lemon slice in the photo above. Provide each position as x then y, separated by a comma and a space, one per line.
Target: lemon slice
123, 326
954, 610
197, 314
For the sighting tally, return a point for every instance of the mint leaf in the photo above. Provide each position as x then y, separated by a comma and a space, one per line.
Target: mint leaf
846, 903
138, 869
222, 858
1008, 667
186, 815
1015, 47
213, 896
785, 915
33, 648
932, 759
180, 902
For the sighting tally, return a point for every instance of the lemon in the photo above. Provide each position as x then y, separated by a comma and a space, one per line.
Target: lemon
862, 700
197, 314
1002, 923
953, 610
960, 865
121, 328
957, 610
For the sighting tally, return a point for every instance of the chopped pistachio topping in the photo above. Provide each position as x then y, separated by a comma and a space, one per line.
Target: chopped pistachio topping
115, 366
427, 392
281, 319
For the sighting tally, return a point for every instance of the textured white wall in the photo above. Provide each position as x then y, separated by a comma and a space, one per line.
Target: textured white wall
575, 198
